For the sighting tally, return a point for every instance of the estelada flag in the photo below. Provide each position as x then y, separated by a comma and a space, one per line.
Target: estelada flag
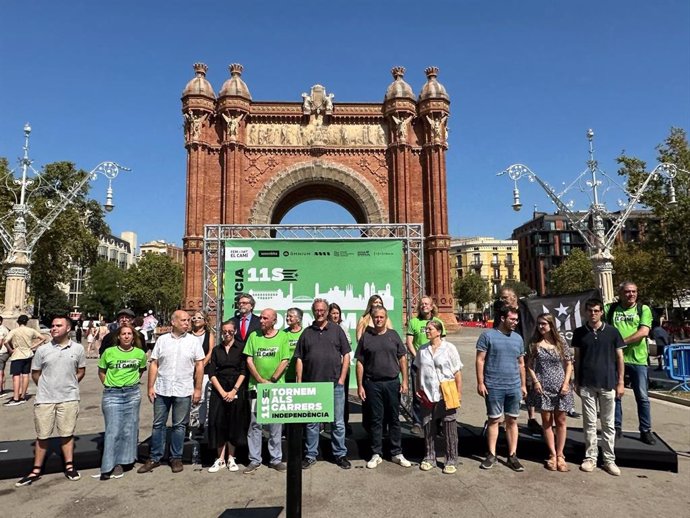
568, 310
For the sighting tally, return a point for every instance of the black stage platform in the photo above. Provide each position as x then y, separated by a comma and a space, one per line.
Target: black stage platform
16, 457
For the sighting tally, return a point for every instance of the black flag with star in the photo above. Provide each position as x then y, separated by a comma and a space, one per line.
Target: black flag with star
568, 310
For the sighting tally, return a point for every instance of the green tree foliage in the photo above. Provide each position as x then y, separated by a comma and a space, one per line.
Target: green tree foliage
72, 237
520, 288
52, 303
572, 275
471, 289
668, 237
155, 282
104, 290
647, 269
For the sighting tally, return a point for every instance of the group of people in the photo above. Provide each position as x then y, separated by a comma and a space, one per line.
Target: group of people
610, 345
187, 370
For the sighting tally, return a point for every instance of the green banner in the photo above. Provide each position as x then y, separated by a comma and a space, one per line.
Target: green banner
285, 273
294, 403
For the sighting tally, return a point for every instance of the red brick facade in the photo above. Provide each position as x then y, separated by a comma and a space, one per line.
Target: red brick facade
251, 162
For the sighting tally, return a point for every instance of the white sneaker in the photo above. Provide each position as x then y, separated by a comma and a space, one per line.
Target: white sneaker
232, 465
375, 461
220, 463
402, 461
611, 469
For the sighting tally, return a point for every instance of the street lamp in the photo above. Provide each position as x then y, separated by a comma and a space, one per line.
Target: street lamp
598, 240
27, 228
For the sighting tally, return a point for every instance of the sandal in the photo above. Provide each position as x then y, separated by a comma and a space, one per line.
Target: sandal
552, 463
30, 478
561, 464
70, 472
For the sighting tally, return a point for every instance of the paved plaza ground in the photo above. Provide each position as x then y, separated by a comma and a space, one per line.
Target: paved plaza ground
387, 491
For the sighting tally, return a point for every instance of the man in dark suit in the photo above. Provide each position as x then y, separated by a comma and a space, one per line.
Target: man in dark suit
245, 320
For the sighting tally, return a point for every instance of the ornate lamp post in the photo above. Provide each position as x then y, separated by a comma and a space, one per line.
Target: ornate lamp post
599, 241
19, 241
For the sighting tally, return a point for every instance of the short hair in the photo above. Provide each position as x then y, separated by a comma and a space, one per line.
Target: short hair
296, 311
505, 309
376, 309
590, 303
436, 324
228, 322
22, 320
66, 318
318, 301
246, 296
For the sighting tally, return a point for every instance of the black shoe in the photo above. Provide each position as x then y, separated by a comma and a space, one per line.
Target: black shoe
343, 463
488, 462
573, 414
514, 463
533, 426
619, 433
308, 463
648, 438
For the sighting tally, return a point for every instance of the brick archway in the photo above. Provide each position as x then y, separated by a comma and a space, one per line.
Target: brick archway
250, 162
317, 179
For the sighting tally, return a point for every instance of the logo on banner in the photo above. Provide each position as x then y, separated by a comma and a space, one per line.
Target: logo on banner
239, 253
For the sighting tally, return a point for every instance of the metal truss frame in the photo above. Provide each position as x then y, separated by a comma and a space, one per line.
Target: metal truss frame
411, 235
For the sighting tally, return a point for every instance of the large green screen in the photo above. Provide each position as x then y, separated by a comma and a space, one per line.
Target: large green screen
285, 273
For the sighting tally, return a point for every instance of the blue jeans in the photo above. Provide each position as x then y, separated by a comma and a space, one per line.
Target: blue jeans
337, 429
180, 417
120, 408
639, 379
255, 436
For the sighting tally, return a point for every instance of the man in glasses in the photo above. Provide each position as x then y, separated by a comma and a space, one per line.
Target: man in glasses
245, 320
124, 316
500, 370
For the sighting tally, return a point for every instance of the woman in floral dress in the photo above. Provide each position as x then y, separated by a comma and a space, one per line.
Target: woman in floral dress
549, 366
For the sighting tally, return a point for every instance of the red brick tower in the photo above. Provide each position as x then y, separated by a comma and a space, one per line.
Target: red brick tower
252, 161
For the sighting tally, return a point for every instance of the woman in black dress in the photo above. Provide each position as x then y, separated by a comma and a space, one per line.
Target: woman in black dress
228, 417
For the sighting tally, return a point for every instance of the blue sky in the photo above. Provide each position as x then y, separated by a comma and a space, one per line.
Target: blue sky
102, 81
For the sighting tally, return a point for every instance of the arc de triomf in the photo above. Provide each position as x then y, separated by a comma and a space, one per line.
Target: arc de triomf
250, 162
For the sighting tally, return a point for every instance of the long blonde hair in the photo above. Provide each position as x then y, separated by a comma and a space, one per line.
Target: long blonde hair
551, 336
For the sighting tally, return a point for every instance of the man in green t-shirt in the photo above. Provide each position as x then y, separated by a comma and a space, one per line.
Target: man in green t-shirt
268, 354
633, 321
416, 337
293, 319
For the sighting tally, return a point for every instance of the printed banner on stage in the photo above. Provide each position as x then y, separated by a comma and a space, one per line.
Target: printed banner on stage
285, 273
294, 403
568, 310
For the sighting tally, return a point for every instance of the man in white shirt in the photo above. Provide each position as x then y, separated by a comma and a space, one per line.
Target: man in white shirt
174, 383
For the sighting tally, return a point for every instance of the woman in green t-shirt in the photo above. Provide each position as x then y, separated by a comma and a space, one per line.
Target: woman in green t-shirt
120, 369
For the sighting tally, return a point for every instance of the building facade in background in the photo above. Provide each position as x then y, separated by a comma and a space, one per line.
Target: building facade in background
160, 247
546, 240
118, 250
495, 260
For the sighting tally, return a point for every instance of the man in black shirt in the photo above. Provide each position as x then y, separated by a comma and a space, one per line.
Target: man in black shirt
380, 359
599, 372
323, 354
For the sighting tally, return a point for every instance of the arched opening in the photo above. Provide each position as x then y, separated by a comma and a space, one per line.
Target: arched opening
317, 212
318, 180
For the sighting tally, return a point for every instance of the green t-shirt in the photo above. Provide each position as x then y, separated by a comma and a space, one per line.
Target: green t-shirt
267, 353
122, 367
415, 328
628, 321
291, 371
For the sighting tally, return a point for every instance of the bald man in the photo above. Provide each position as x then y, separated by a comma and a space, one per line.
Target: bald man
174, 384
268, 354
